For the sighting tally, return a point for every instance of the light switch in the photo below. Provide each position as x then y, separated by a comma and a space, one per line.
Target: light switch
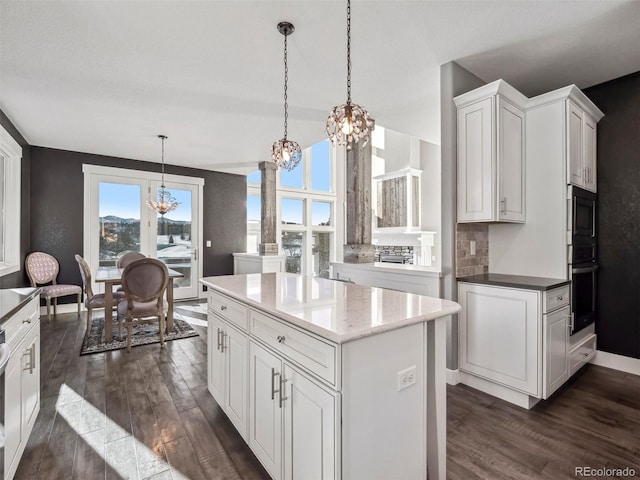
208, 244
472, 247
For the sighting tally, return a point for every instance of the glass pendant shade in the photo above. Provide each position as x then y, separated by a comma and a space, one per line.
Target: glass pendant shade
286, 153
349, 123
165, 202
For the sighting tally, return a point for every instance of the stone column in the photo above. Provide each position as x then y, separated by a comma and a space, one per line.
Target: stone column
358, 248
268, 243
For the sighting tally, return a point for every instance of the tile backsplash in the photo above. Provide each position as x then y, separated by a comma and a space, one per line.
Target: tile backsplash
467, 264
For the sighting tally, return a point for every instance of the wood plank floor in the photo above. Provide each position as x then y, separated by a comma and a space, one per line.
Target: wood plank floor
148, 414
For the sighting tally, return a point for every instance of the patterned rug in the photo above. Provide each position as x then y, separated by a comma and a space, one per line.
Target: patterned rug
184, 318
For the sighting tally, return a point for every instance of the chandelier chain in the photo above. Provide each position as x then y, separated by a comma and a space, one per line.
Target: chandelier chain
162, 137
286, 79
348, 52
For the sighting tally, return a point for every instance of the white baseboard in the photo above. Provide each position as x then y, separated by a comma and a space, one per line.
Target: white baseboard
453, 376
512, 396
617, 362
64, 308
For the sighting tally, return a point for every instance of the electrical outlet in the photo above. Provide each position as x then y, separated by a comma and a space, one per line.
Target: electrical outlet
407, 377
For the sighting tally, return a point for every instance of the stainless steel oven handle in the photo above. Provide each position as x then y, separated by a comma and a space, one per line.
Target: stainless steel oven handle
593, 220
584, 269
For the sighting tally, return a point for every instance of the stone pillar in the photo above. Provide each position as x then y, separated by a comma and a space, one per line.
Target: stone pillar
268, 243
358, 248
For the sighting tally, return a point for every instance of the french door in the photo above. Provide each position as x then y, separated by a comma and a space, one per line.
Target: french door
117, 220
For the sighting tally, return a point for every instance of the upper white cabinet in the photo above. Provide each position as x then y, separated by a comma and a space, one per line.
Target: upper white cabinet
581, 148
491, 154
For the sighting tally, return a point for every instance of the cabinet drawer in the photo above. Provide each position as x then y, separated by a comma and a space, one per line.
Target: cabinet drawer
556, 298
307, 351
582, 353
17, 326
228, 309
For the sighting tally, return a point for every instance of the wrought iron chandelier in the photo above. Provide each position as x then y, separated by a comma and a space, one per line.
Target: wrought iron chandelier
286, 153
349, 123
166, 202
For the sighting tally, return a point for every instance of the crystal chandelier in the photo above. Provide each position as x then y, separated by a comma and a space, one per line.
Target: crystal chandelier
286, 153
349, 123
165, 202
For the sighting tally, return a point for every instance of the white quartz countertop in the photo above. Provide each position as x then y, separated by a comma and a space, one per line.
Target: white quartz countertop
335, 310
406, 268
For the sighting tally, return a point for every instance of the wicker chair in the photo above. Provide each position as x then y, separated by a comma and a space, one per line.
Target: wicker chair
43, 269
144, 282
93, 300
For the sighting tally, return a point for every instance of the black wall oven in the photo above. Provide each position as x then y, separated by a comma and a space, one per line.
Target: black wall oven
583, 258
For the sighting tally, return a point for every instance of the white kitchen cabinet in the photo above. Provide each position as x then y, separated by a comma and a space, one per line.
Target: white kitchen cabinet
581, 148
22, 382
516, 338
491, 154
227, 372
309, 428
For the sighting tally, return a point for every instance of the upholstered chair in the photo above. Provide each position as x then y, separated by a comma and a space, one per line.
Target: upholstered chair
127, 257
144, 282
43, 270
93, 300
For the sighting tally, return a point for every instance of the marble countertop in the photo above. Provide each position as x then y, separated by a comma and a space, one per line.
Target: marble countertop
406, 268
337, 311
515, 281
13, 299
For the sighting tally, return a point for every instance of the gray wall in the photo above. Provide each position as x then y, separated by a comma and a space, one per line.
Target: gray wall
57, 194
19, 279
454, 81
618, 324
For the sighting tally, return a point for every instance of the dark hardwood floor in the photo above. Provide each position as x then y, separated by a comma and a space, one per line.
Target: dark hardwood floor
148, 414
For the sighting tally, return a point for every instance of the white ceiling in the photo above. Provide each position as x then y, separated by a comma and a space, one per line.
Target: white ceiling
106, 77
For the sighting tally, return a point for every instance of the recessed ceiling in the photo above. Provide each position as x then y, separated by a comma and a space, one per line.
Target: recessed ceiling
107, 77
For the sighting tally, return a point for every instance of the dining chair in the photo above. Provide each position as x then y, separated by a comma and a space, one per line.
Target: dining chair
144, 282
93, 300
127, 257
42, 270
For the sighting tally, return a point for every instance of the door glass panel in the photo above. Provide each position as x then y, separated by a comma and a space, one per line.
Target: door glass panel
320, 213
173, 239
292, 211
292, 249
119, 222
321, 254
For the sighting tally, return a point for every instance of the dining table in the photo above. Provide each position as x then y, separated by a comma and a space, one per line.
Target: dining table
112, 276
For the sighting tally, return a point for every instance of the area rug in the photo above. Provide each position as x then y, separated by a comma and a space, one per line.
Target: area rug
145, 334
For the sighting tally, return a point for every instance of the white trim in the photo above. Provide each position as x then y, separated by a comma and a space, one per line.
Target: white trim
142, 174
509, 395
617, 362
569, 92
499, 87
12, 181
453, 376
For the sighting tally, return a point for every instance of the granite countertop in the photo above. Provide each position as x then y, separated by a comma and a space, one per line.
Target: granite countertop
13, 299
515, 281
337, 311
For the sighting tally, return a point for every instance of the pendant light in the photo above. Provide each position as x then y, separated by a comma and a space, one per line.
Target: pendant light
286, 153
349, 123
165, 202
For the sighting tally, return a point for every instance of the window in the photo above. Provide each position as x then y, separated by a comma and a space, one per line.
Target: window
10, 164
306, 212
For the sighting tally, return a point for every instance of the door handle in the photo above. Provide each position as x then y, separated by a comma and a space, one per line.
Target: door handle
274, 374
585, 269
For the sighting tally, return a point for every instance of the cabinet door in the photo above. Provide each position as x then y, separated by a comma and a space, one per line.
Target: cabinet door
575, 144
476, 149
556, 350
216, 358
499, 333
590, 154
309, 429
13, 411
31, 379
236, 350
511, 162
265, 412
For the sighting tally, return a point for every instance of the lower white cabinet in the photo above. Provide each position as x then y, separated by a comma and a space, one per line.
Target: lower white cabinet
515, 338
227, 370
22, 383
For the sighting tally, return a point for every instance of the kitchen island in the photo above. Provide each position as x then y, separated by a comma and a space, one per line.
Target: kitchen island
325, 379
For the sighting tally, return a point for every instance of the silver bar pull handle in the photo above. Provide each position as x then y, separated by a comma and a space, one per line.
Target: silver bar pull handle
274, 374
503, 206
219, 339
223, 345
33, 358
571, 321
281, 397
